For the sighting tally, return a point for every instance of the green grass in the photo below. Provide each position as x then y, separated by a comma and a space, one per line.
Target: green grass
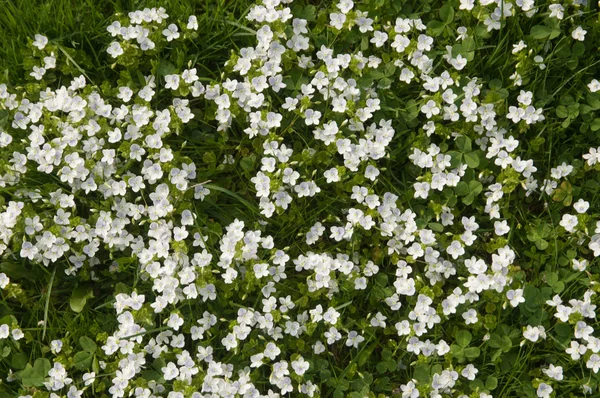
82, 25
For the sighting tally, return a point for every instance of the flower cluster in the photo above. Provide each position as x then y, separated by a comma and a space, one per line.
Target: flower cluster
382, 166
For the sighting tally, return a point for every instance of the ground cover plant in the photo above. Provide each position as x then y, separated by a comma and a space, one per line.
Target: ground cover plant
386, 198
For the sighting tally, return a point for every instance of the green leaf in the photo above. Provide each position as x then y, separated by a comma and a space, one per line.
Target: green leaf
165, 67
82, 360
475, 187
491, 383
437, 227
562, 112
472, 352
421, 373
463, 338
447, 13
468, 199
247, 163
19, 361
540, 32
541, 244
435, 28
532, 296
34, 376
471, 159
389, 69
455, 158
365, 355
384, 83
562, 329
558, 287
88, 344
555, 33
381, 367
578, 49
595, 124
309, 13
364, 44
551, 278
79, 298
477, 384
463, 144
462, 188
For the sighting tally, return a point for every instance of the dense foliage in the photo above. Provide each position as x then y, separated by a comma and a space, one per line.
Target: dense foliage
380, 198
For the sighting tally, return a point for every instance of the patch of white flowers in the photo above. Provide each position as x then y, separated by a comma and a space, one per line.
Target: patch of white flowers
123, 192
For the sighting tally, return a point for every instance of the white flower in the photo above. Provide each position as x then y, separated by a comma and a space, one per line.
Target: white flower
581, 206
125, 94
115, 49
467, 4
88, 378
555, 372
189, 75
578, 33
4, 280
146, 93
170, 371
459, 62
40, 41
533, 334
519, 46
331, 175
175, 321
371, 172
576, 350
470, 317
421, 190
515, 297
462, 33
345, 6
300, 366
544, 390
271, 351
318, 347
74, 392
430, 109
594, 85
579, 265
378, 320
455, 249
360, 283
354, 339
192, 22
409, 390
38, 73
469, 372
501, 227
171, 33
56, 346
256, 360
379, 38
17, 334
229, 341
337, 20
556, 11
312, 117
593, 363
172, 81
569, 222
